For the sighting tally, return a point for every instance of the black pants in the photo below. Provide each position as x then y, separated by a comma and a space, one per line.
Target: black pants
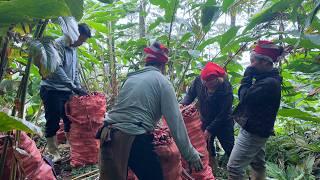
54, 102
225, 136
143, 161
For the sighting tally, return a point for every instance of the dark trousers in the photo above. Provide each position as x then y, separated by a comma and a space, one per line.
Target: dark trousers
125, 150
143, 160
54, 105
225, 136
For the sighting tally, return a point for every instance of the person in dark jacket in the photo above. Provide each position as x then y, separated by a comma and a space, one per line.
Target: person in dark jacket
56, 89
214, 94
259, 94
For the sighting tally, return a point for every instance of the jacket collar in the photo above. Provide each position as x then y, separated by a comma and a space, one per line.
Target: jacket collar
145, 69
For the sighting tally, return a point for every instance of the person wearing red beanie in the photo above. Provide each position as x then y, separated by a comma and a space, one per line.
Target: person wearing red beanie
126, 141
259, 95
215, 96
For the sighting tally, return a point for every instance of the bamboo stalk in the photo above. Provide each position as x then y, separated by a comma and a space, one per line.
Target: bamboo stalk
86, 174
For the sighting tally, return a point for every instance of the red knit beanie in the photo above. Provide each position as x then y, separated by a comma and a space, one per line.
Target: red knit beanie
156, 53
269, 49
212, 69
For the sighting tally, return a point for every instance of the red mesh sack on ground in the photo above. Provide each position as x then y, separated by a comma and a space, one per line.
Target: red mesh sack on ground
86, 114
168, 153
29, 159
192, 121
61, 138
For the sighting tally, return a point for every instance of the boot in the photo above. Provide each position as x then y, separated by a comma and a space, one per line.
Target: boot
52, 149
257, 175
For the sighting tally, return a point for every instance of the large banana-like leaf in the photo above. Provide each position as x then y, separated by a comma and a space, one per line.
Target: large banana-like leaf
9, 123
268, 14
76, 8
16, 11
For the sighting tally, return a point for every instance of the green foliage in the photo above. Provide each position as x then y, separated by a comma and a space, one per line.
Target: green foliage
296, 113
200, 32
210, 13
226, 4
268, 14
76, 8
9, 123
106, 1
16, 11
169, 7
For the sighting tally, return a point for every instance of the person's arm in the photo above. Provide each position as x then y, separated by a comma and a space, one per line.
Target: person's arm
259, 91
62, 77
191, 94
246, 82
170, 110
226, 106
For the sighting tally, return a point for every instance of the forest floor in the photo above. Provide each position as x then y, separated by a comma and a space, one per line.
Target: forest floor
64, 171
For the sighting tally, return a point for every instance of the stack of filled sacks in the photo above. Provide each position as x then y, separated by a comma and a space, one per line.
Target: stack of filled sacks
86, 114
168, 153
28, 158
192, 121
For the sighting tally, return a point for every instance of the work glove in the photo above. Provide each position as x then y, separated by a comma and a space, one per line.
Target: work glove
197, 163
80, 91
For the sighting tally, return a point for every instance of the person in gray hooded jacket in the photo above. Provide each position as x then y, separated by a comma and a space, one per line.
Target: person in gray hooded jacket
57, 88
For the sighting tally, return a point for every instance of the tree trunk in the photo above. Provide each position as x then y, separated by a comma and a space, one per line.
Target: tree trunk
4, 58
142, 22
113, 68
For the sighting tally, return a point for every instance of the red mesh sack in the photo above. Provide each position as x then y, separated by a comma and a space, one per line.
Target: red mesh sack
30, 161
168, 153
61, 138
86, 114
192, 121
9, 158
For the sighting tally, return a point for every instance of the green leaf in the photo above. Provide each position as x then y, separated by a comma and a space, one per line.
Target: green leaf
9, 123
209, 13
155, 23
268, 14
312, 15
76, 8
106, 1
185, 37
228, 36
296, 113
163, 4
305, 43
16, 11
208, 42
226, 4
